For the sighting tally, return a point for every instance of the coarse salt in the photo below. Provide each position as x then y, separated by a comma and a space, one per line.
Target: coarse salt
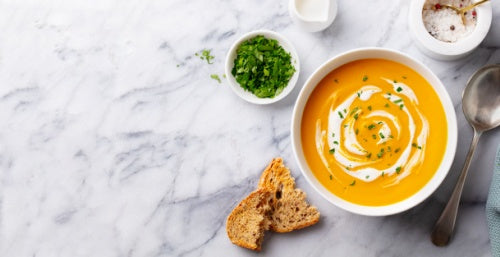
444, 23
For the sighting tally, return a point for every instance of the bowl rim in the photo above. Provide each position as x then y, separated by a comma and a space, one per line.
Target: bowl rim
231, 55
378, 53
446, 49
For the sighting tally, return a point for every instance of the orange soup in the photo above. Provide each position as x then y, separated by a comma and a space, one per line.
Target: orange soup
373, 132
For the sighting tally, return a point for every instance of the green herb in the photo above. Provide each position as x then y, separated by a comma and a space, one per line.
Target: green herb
216, 77
386, 105
365, 78
178, 65
391, 136
354, 110
340, 115
345, 126
345, 111
356, 116
353, 183
205, 55
416, 146
359, 94
399, 89
398, 169
381, 153
374, 137
224, 75
369, 155
397, 150
419, 147
381, 135
401, 106
347, 168
388, 149
332, 151
372, 126
263, 67
331, 177
404, 77
383, 173
369, 107
379, 123
336, 142
398, 101
333, 134
395, 81
367, 177
357, 131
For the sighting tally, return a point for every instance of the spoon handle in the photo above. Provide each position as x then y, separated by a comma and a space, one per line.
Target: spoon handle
444, 226
467, 8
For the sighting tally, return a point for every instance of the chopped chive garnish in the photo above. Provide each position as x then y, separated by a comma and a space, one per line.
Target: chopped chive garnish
369, 155
383, 173
345, 126
336, 142
331, 177
347, 168
374, 136
395, 81
386, 105
354, 110
367, 177
391, 136
332, 151
398, 169
419, 147
401, 106
353, 183
381, 135
340, 115
379, 123
356, 116
365, 78
397, 150
372, 126
345, 111
357, 131
359, 94
380, 154
398, 101
369, 107
399, 89
333, 134
388, 149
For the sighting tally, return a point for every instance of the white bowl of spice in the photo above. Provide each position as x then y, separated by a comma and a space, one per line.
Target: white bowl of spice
262, 67
441, 33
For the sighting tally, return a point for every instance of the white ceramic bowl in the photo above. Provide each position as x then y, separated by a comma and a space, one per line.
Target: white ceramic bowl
247, 95
443, 50
380, 53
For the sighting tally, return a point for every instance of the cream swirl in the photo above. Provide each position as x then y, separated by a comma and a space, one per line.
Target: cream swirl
390, 128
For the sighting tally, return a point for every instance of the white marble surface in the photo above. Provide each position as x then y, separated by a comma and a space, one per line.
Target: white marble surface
107, 148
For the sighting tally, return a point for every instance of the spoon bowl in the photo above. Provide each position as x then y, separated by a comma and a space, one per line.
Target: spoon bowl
481, 98
481, 107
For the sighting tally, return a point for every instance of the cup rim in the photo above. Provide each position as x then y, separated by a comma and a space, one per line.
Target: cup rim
388, 54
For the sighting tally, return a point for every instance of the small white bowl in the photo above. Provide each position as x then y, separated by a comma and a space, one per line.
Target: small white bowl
313, 24
379, 53
445, 51
247, 95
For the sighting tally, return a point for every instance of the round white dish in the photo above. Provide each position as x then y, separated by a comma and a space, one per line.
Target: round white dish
445, 51
313, 25
247, 95
380, 53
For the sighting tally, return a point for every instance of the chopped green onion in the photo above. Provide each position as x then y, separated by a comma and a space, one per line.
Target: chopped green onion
332, 151
365, 78
381, 135
353, 183
399, 89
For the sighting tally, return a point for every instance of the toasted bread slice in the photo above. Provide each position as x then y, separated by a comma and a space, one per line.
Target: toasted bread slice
246, 224
289, 208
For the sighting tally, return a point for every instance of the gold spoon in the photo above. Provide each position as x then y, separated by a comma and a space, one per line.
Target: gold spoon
463, 10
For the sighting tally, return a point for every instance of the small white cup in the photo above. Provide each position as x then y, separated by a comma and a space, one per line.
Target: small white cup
445, 51
313, 23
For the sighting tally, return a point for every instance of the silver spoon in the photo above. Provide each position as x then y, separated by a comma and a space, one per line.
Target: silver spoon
481, 106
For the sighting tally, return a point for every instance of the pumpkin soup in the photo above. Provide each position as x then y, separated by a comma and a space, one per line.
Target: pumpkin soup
373, 132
